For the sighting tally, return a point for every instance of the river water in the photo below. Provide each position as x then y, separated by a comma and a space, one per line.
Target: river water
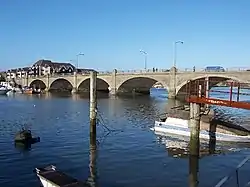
130, 156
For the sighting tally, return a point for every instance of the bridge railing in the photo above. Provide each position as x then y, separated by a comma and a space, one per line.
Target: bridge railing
231, 69
148, 71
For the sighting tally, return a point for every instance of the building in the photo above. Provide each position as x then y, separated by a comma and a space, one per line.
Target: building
45, 67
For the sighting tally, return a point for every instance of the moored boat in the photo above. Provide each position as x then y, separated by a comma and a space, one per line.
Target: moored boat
4, 90
27, 90
51, 177
177, 126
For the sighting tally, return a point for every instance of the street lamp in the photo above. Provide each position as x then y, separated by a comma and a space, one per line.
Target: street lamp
77, 59
145, 58
175, 49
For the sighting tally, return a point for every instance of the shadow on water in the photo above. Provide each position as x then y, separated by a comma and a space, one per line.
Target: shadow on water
92, 179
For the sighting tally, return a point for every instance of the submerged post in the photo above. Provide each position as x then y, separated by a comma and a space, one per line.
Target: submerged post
194, 146
93, 104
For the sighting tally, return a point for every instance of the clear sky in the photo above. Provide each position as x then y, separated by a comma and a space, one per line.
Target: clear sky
111, 32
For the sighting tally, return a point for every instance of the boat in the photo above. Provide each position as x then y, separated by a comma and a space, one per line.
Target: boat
4, 90
177, 126
51, 177
27, 90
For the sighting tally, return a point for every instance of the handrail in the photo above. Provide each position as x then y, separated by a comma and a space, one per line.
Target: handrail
226, 178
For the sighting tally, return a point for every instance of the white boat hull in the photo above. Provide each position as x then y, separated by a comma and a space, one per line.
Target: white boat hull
51, 177
181, 128
4, 92
46, 183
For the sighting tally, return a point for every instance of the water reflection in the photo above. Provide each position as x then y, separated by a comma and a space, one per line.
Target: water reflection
193, 170
22, 147
92, 179
26, 146
178, 147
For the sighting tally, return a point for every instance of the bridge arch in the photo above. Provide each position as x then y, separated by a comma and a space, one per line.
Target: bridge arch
61, 85
139, 85
101, 85
38, 84
213, 81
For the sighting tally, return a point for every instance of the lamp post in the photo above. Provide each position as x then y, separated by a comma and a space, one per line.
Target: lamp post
175, 49
145, 58
77, 59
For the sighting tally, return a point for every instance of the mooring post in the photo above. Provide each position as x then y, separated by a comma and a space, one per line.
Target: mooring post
207, 90
194, 146
93, 104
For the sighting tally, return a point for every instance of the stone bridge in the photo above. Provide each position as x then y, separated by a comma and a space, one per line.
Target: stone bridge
116, 83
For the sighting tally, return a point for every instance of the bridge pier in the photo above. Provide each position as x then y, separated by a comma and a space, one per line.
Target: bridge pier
112, 91
74, 90
112, 88
172, 83
171, 94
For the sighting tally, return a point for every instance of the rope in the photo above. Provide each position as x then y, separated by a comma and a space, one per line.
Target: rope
101, 121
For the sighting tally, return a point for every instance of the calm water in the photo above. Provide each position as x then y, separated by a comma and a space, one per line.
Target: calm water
130, 156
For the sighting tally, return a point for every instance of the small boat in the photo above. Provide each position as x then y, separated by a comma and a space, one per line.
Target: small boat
4, 90
50, 176
177, 126
27, 90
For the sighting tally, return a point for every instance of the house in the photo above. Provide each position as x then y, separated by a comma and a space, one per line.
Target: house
45, 67
11, 74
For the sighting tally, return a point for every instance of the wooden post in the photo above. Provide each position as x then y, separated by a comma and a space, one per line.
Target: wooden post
238, 92
207, 87
194, 148
231, 93
93, 104
92, 137
207, 90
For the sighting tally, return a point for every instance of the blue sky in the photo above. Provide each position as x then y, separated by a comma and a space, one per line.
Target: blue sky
111, 32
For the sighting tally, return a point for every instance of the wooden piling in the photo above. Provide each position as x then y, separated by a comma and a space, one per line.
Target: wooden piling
194, 145
93, 104
207, 90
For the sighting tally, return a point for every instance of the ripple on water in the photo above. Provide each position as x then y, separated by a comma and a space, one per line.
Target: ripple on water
131, 156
